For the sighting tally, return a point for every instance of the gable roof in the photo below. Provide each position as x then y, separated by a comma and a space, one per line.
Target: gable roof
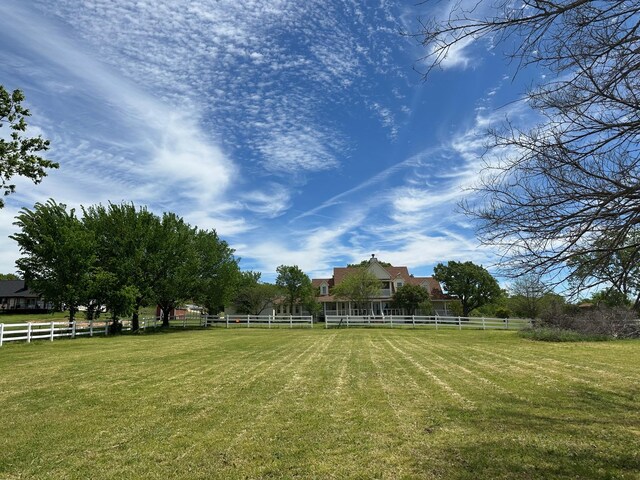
15, 288
433, 286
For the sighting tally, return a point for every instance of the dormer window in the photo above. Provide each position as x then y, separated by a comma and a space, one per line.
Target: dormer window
324, 290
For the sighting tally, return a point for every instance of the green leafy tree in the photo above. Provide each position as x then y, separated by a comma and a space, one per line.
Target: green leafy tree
217, 272
471, 283
58, 254
252, 296
9, 276
616, 268
610, 297
359, 287
296, 286
128, 242
177, 265
19, 154
410, 298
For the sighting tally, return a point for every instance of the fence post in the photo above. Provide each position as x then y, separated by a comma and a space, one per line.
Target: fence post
459, 323
53, 329
29, 332
184, 322
483, 327
413, 320
391, 319
1, 333
436, 322
91, 327
270, 321
73, 329
507, 322
248, 321
290, 321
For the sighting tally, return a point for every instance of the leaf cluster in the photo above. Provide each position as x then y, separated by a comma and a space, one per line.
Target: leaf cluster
471, 283
121, 257
19, 153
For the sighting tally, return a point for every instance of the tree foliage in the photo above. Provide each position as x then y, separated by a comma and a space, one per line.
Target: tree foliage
127, 246
296, 287
252, 296
121, 257
616, 268
410, 298
58, 254
526, 296
564, 184
217, 271
359, 286
471, 283
9, 276
19, 154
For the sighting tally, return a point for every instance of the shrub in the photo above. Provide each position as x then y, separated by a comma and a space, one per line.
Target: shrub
590, 325
550, 334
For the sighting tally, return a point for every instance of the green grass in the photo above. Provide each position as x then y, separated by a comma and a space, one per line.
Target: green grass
348, 403
33, 317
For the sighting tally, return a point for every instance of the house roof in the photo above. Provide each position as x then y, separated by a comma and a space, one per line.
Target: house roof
339, 273
15, 288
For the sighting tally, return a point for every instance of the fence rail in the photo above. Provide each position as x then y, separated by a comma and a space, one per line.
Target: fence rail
482, 323
269, 321
28, 331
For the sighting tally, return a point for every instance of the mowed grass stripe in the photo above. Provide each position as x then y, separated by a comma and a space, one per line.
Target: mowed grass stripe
348, 403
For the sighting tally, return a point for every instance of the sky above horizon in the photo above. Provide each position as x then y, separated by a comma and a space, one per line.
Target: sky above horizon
302, 132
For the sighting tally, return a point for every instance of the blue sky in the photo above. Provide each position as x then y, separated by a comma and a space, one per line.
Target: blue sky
300, 131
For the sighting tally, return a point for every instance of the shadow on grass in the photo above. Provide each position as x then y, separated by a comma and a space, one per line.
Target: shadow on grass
592, 435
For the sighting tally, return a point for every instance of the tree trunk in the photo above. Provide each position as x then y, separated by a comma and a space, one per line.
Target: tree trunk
165, 315
72, 316
135, 321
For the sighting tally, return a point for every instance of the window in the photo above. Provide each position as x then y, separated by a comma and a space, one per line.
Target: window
323, 290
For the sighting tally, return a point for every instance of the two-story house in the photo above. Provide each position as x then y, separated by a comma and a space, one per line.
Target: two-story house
391, 279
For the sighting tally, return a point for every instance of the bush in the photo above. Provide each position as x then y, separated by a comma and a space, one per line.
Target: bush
594, 324
502, 312
550, 334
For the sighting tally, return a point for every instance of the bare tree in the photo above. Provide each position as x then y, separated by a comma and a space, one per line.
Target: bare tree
526, 296
550, 193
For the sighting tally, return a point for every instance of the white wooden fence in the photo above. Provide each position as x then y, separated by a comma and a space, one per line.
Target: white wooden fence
269, 321
10, 332
436, 322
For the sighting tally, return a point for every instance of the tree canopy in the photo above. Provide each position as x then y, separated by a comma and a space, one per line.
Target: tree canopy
58, 254
550, 192
410, 297
19, 154
296, 287
9, 276
359, 287
471, 283
252, 296
122, 257
527, 295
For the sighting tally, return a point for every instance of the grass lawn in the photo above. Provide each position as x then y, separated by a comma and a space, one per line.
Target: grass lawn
358, 403
33, 317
